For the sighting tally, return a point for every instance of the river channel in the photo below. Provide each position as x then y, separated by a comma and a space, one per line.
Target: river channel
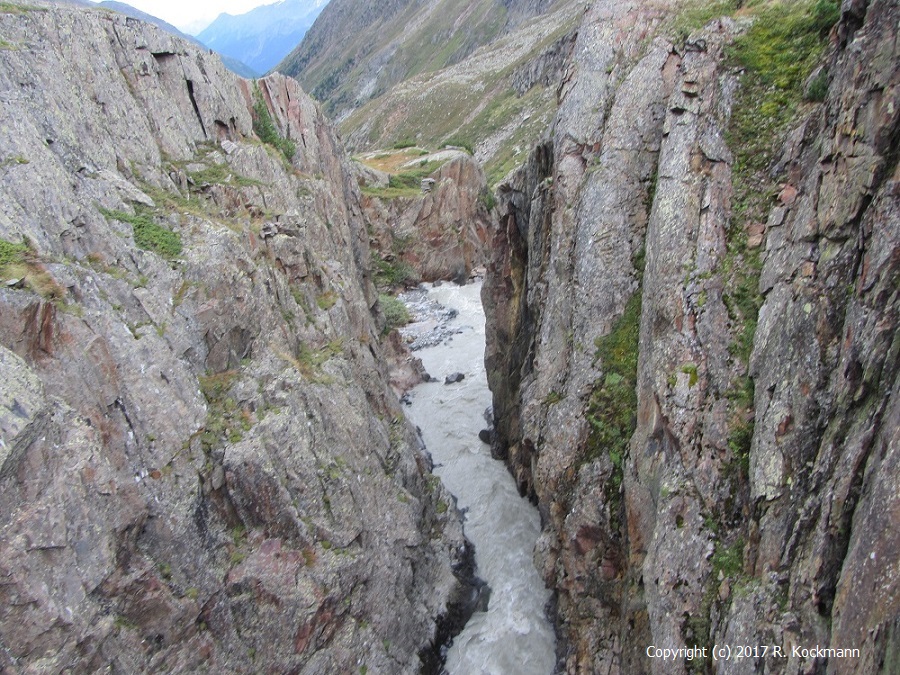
513, 635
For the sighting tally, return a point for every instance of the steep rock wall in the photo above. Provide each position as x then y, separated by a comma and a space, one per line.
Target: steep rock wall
203, 468
441, 234
687, 496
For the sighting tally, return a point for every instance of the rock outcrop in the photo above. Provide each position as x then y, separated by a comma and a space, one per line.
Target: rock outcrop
202, 467
706, 474
442, 233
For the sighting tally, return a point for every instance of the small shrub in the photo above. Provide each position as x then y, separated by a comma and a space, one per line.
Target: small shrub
818, 88
553, 397
265, 128
457, 142
221, 174
690, 369
395, 312
729, 560
393, 275
487, 199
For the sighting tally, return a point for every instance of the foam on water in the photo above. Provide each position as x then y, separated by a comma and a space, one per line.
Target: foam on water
514, 635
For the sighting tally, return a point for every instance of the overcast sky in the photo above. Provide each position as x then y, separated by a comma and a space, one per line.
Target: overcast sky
192, 16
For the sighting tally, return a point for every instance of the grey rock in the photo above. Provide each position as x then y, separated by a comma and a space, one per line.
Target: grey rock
633, 540
443, 234
201, 455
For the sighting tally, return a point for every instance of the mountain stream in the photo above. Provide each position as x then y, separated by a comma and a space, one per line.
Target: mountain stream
513, 635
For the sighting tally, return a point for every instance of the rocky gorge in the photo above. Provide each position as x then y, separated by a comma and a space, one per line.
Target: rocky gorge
692, 344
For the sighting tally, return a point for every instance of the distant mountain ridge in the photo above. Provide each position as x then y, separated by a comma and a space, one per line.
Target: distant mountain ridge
262, 37
358, 50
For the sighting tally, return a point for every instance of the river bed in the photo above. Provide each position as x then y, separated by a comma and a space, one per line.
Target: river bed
513, 635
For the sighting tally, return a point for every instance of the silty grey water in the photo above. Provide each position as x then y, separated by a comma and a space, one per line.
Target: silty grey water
514, 635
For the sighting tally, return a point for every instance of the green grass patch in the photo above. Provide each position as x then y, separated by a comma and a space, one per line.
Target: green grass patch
147, 234
11, 252
553, 398
390, 192
729, 560
818, 87
487, 199
226, 421
15, 159
18, 261
690, 369
221, 174
327, 300
11, 8
613, 404
464, 143
778, 52
612, 407
406, 183
308, 362
699, 13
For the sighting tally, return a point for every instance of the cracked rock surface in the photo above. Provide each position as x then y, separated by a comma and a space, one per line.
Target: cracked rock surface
202, 466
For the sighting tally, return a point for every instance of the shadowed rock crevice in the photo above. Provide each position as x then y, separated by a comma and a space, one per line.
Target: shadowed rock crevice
190, 90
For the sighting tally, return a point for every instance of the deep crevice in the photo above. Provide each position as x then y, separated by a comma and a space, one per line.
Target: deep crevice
190, 88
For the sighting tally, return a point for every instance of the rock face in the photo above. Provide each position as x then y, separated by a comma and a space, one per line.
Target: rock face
202, 467
441, 234
691, 495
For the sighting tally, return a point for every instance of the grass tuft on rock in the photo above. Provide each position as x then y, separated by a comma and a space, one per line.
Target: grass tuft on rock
612, 408
394, 274
147, 234
18, 261
11, 253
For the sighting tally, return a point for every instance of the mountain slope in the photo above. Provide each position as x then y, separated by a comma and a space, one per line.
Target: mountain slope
357, 50
262, 37
495, 102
